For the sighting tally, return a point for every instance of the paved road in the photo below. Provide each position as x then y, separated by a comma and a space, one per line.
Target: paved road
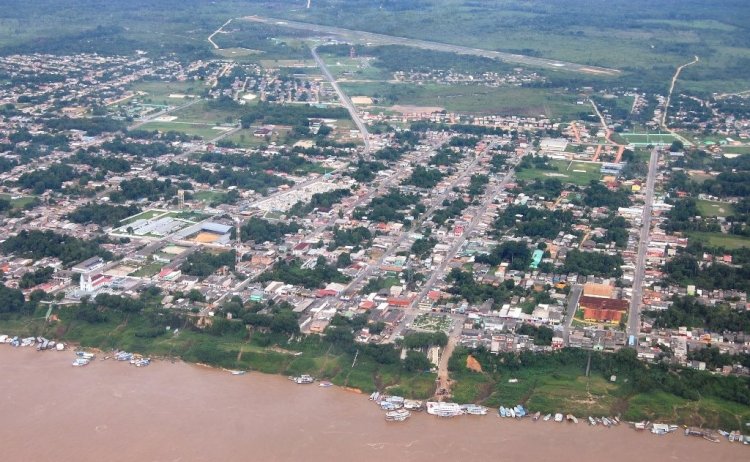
345, 100
380, 39
634, 315
575, 295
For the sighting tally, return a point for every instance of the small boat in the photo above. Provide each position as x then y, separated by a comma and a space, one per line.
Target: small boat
237, 372
79, 362
710, 437
412, 405
547, 417
85, 355
511, 413
502, 412
474, 409
374, 396
638, 425
558, 417
397, 416
592, 421
535, 417
605, 422
572, 418
325, 384
302, 379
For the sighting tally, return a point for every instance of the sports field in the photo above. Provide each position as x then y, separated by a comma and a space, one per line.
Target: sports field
579, 173
644, 139
714, 209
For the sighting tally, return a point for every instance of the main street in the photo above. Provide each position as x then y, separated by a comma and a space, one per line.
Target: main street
345, 100
634, 315
575, 295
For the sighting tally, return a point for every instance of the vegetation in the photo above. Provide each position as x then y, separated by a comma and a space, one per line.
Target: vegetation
556, 382
259, 230
40, 244
102, 214
593, 264
34, 278
291, 272
203, 264
690, 312
320, 201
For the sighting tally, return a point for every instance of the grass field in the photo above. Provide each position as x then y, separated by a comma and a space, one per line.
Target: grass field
202, 112
721, 240
18, 202
714, 209
736, 149
647, 138
205, 131
148, 269
145, 215
579, 173
471, 98
158, 92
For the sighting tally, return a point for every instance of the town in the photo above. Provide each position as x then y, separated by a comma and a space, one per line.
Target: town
228, 196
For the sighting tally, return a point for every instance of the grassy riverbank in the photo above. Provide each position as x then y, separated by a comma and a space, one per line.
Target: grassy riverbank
267, 353
557, 383
543, 382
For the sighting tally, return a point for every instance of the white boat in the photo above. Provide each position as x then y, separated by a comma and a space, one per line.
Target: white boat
547, 417
237, 372
302, 379
474, 409
412, 405
325, 384
536, 416
374, 396
79, 362
558, 417
441, 409
60, 346
85, 355
572, 418
397, 416
503, 412
592, 421
511, 413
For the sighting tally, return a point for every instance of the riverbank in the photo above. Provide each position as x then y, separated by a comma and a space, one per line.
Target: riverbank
549, 383
179, 411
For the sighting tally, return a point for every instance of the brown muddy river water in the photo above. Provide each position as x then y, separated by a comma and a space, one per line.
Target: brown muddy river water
110, 411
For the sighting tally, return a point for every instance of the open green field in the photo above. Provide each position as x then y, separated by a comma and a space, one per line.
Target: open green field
18, 202
157, 92
205, 131
647, 138
721, 240
579, 173
471, 98
714, 209
148, 269
203, 112
236, 53
736, 149
145, 215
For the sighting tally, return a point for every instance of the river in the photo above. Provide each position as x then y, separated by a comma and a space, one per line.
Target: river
110, 411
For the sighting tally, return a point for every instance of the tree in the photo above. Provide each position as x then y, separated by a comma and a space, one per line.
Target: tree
416, 361
343, 260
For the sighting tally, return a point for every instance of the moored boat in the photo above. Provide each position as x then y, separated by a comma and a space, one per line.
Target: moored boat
441, 409
302, 379
397, 416
535, 417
